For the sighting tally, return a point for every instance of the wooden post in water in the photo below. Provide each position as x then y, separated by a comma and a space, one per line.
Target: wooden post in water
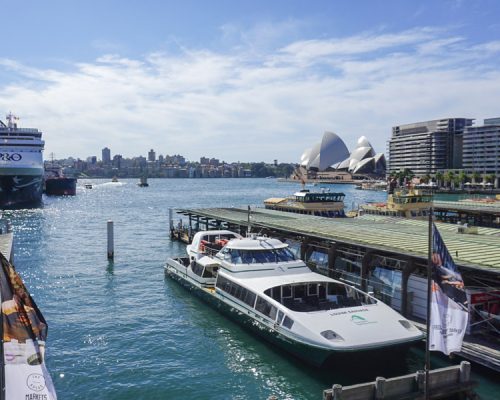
111, 244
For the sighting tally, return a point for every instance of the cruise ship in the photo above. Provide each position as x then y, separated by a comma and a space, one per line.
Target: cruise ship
21, 165
261, 284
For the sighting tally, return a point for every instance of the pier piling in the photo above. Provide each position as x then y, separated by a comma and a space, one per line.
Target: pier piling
111, 244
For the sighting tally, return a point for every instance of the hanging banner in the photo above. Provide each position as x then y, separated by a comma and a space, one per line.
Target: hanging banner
449, 306
24, 335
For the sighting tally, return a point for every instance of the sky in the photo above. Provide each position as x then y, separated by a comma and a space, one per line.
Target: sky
242, 80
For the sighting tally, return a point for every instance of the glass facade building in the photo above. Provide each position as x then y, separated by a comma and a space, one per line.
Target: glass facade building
481, 147
427, 147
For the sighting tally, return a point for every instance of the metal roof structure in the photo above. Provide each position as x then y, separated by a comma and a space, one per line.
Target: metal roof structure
479, 251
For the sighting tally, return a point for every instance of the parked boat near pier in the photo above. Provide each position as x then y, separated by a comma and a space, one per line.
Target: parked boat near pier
262, 285
323, 204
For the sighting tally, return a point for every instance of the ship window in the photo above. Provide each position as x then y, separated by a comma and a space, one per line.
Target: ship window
235, 290
266, 308
197, 269
299, 291
287, 322
261, 256
286, 291
281, 314
210, 271
312, 289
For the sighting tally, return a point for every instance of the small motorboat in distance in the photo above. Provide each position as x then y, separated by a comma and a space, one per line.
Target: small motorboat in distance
261, 284
143, 182
88, 186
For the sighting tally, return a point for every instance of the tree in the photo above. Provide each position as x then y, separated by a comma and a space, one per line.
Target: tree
448, 177
475, 176
462, 178
439, 178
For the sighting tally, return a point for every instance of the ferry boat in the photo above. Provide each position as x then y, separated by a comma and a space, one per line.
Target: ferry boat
323, 204
412, 203
21, 165
372, 185
261, 284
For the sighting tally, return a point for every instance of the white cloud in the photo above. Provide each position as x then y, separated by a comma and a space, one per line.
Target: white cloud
255, 105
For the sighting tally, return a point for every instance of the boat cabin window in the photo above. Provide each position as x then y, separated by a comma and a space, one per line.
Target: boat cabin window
287, 322
207, 271
316, 296
281, 314
197, 269
266, 308
235, 290
286, 291
239, 256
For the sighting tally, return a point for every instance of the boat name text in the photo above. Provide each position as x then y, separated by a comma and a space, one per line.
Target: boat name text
10, 157
349, 311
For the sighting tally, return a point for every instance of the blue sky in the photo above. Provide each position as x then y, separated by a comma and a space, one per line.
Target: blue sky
242, 80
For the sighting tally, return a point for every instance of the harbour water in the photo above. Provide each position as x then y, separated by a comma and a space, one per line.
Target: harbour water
120, 330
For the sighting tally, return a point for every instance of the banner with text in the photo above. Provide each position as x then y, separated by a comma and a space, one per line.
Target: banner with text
449, 307
24, 335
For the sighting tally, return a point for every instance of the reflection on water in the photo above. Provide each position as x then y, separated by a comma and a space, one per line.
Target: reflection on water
119, 330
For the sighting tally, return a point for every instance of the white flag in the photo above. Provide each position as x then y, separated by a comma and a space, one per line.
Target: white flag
449, 307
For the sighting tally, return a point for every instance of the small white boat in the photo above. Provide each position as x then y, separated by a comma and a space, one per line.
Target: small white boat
259, 282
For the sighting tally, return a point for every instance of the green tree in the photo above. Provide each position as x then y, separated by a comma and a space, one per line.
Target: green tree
475, 176
448, 177
462, 178
439, 178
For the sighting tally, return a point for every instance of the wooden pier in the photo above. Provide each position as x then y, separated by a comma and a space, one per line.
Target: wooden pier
355, 250
444, 383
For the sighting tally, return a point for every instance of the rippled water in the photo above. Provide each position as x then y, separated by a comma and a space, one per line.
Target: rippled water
121, 331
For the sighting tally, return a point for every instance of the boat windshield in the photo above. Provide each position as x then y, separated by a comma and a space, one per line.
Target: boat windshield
240, 256
317, 296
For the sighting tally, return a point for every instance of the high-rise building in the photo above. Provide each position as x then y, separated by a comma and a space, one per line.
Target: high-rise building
106, 156
151, 155
481, 147
427, 147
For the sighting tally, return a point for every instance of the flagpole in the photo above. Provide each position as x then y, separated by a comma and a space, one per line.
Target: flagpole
2, 358
429, 294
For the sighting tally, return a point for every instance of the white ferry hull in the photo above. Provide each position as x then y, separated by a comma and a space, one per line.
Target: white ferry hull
272, 333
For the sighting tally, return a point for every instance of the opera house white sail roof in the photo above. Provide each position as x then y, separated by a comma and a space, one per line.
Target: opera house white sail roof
332, 152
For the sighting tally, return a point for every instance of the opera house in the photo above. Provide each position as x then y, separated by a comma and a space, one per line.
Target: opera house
331, 154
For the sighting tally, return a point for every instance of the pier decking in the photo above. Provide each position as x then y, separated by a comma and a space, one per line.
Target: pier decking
476, 212
402, 236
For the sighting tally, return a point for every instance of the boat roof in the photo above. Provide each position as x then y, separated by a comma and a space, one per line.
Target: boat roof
257, 243
263, 283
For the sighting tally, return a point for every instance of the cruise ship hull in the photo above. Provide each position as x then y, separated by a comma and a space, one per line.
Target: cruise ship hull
312, 355
20, 190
